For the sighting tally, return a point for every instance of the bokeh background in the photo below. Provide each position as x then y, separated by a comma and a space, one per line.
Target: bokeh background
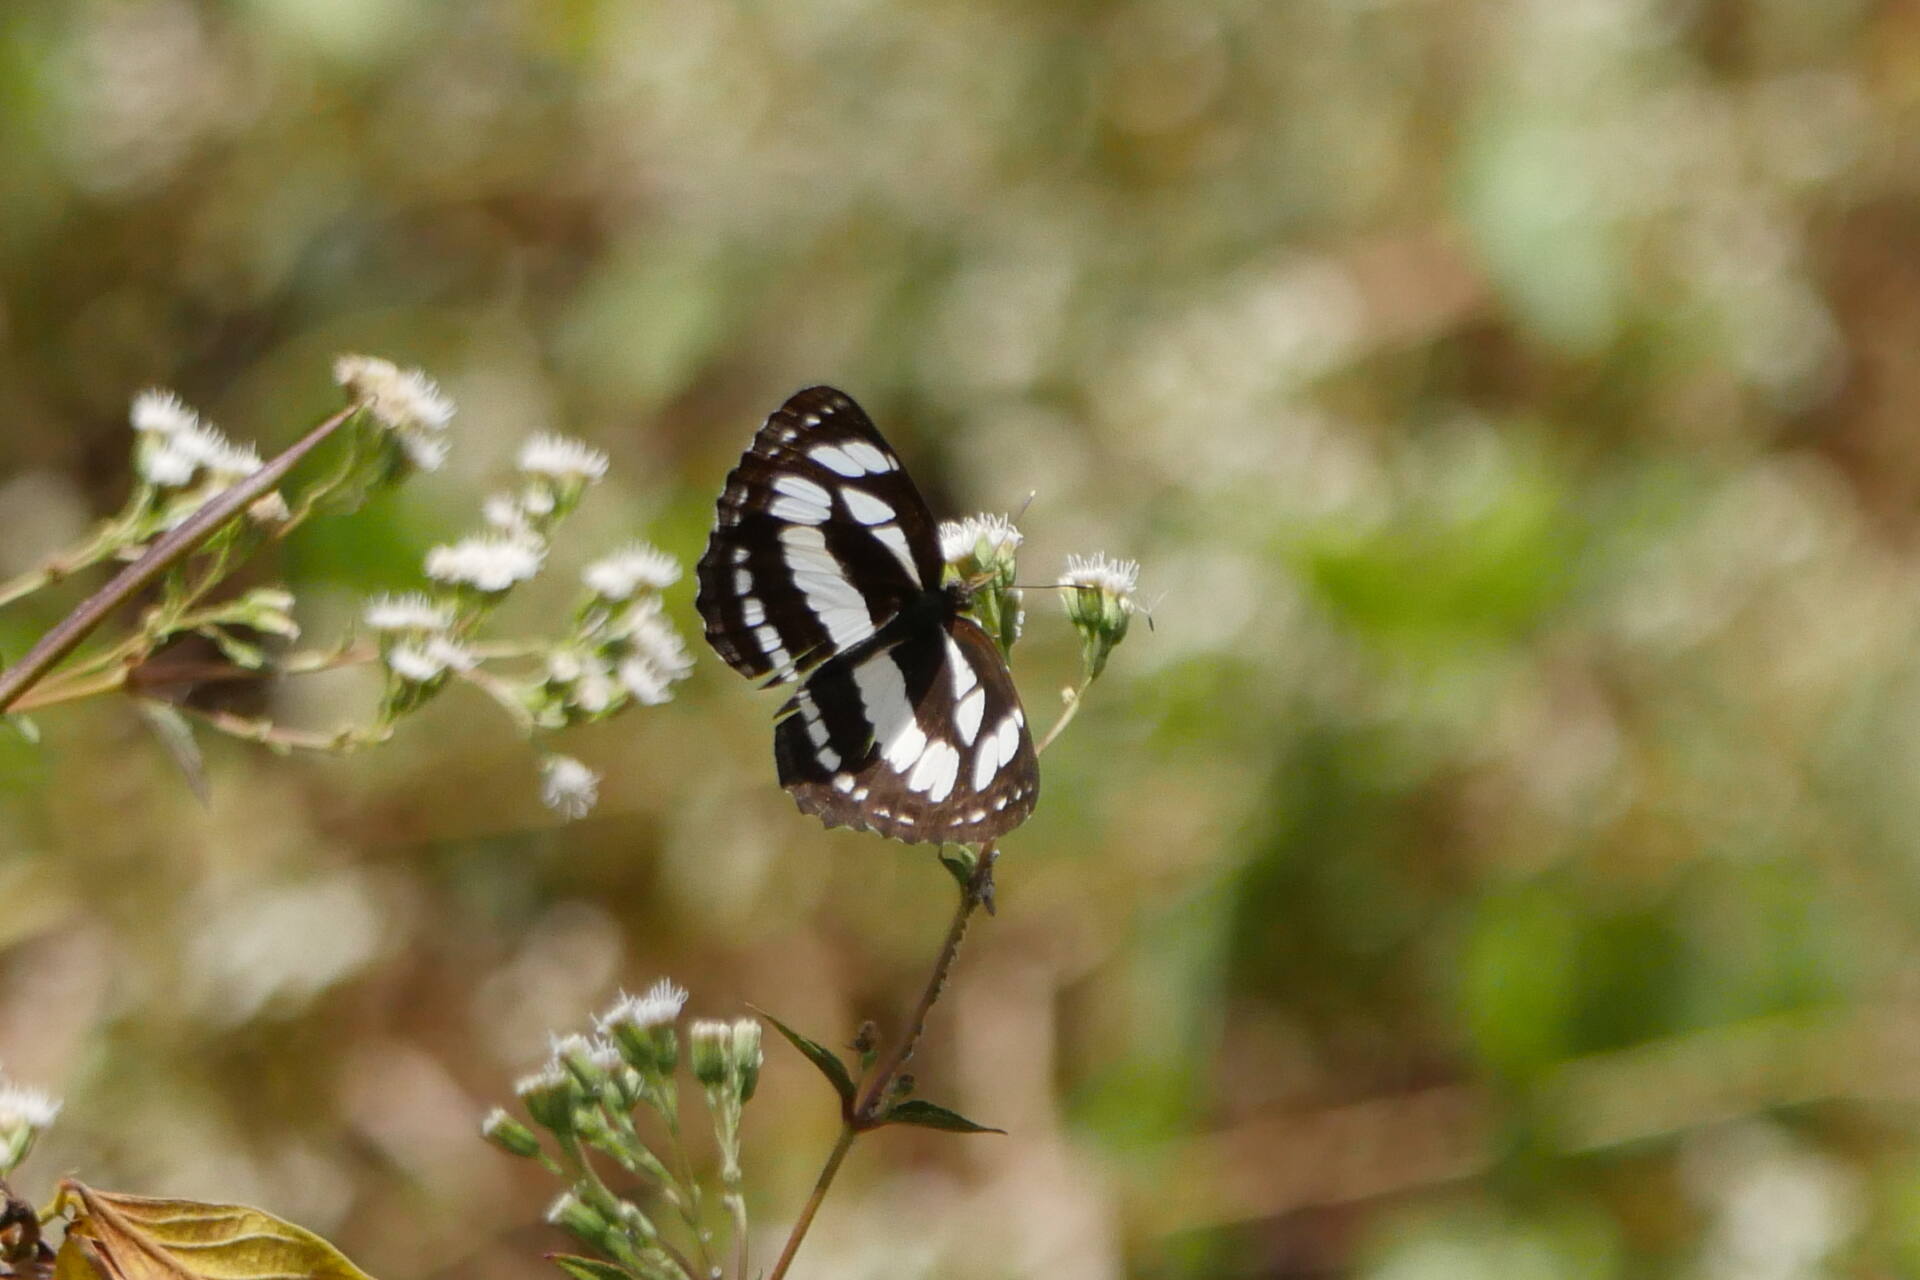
1500, 857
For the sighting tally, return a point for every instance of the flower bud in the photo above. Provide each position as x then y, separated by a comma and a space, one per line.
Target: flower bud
747, 1056
550, 1096
710, 1048
508, 1134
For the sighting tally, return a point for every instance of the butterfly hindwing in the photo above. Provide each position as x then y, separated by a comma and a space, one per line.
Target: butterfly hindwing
922, 741
820, 539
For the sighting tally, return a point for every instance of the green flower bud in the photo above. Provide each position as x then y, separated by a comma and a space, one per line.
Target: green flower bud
711, 1050
550, 1096
1099, 602
747, 1056
508, 1134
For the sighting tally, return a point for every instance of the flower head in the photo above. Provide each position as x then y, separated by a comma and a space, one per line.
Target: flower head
24, 1115
159, 412
659, 1006
979, 542
413, 611
488, 564
568, 787
1100, 603
619, 575
403, 400
561, 459
427, 661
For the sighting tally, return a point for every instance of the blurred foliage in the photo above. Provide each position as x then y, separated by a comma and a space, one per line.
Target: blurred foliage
1498, 858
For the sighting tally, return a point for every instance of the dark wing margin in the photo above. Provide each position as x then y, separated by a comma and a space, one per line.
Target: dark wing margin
925, 741
819, 538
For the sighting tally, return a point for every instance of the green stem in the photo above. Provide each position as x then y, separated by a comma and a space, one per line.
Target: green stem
839, 1154
168, 551
1072, 709
868, 1110
690, 1193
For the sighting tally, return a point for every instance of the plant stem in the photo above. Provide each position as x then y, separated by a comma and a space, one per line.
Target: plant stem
847, 1134
169, 550
1073, 697
874, 1095
869, 1108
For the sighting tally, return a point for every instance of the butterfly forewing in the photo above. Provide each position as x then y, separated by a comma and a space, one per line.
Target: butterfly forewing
923, 741
824, 567
820, 539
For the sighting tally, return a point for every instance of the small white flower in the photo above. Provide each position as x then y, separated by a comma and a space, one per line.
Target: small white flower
560, 1047
1115, 578
410, 612
502, 511
619, 575
646, 682
424, 451
960, 540
550, 1076
562, 459
568, 787
21, 1107
414, 663
646, 628
159, 412
404, 400
659, 1006
487, 563
452, 656
166, 466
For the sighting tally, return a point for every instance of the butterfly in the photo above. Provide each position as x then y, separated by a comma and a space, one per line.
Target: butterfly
824, 571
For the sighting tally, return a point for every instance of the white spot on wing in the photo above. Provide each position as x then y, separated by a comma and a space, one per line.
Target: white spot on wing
867, 456
866, 508
843, 782
836, 459
935, 771
966, 716
883, 694
895, 540
960, 669
798, 512
752, 610
742, 581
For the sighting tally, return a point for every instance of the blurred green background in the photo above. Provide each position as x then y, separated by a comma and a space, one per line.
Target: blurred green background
1499, 860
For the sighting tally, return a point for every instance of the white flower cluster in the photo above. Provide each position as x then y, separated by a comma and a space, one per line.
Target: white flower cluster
657, 1007
176, 450
983, 540
24, 1115
405, 401
568, 787
488, 564
616, 577
1116, 578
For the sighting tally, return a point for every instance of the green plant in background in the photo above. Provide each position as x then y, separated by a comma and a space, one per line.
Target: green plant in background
203, 506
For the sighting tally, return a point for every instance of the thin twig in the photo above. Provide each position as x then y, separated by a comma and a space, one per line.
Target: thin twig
169, 550
868, 1111
874, 1095
847, 1134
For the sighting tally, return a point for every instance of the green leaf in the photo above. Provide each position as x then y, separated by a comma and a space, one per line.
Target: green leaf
587, 1268
176, 735
959, 862
929, 1115
819, 1055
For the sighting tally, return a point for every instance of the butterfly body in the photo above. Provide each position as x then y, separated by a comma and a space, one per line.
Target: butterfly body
824, 571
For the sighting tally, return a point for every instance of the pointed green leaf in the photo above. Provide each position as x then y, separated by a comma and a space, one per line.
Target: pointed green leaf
176, 735
929, 1115
819, 1055
587, 1268
959, 862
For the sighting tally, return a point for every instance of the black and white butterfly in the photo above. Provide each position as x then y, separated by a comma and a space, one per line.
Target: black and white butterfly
824, 568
